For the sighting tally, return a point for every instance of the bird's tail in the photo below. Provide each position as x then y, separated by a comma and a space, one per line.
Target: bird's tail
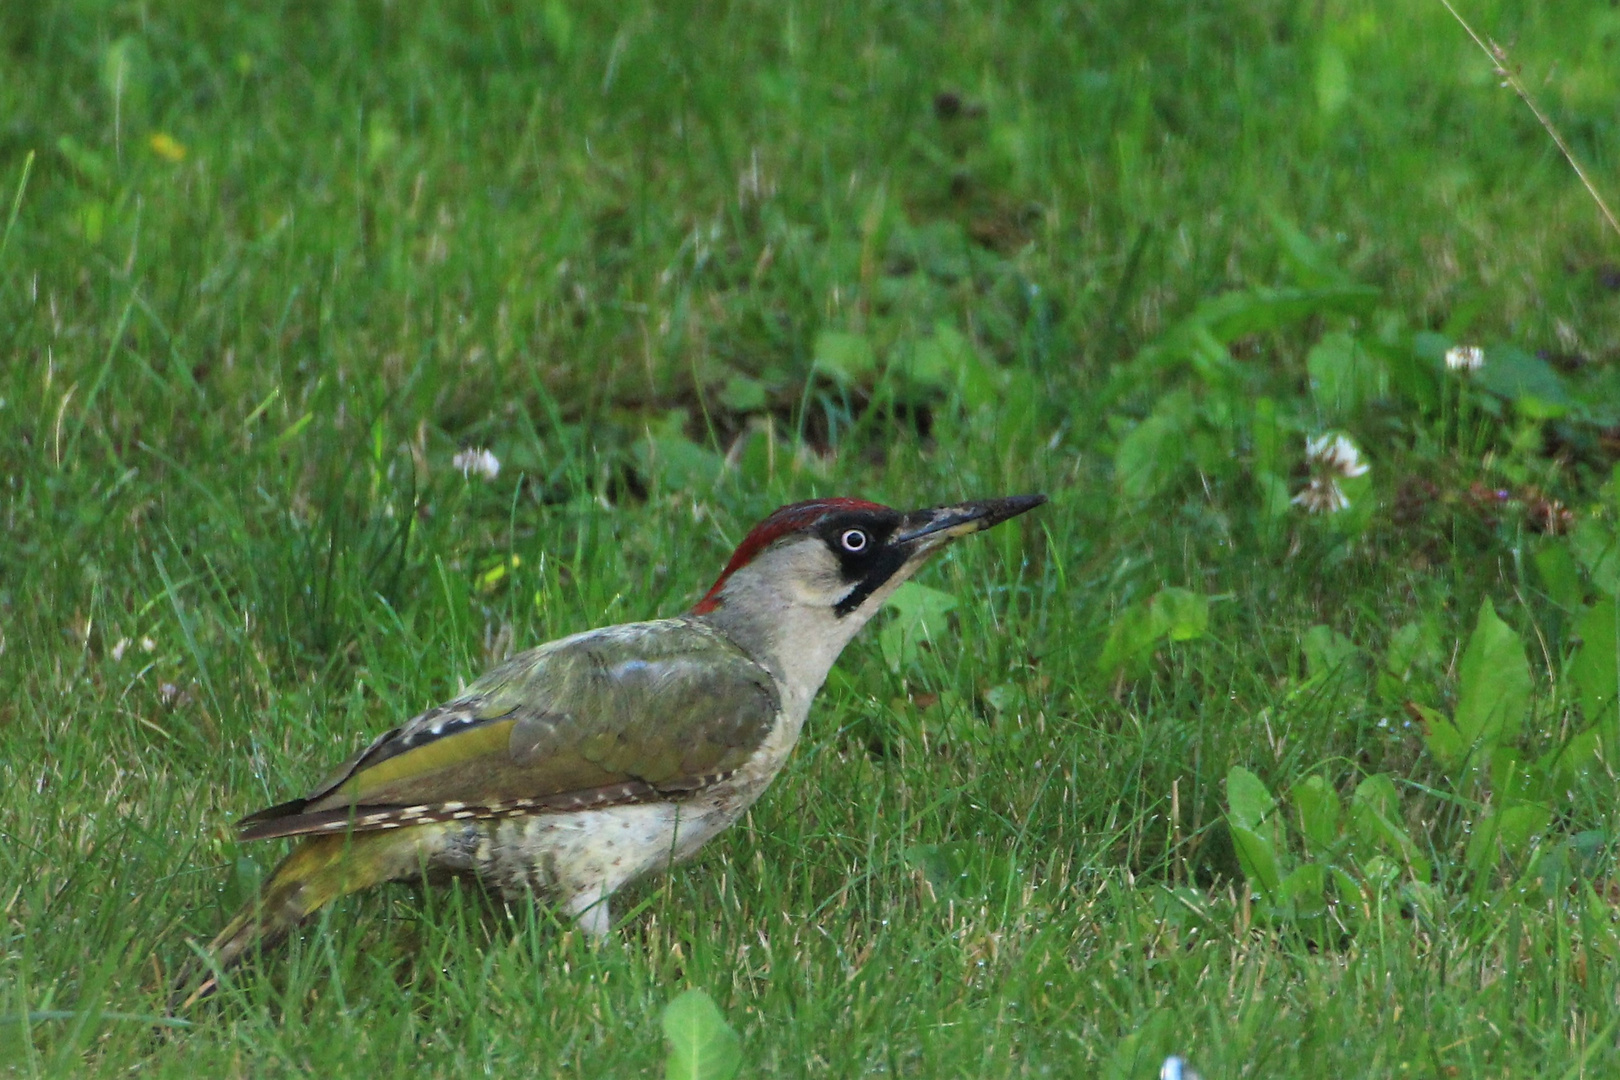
319, 870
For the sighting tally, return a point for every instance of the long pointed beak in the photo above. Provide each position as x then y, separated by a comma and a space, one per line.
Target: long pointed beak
937, 525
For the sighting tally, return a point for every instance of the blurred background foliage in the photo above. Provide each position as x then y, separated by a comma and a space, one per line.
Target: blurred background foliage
270, 273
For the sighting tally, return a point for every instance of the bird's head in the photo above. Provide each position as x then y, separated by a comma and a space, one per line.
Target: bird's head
805, 579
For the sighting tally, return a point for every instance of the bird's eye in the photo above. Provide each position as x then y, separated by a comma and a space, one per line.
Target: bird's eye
854, 540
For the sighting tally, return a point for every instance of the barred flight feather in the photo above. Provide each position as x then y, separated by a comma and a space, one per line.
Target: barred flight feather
371, 818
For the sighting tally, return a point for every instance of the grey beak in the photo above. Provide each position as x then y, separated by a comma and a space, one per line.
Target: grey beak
938, 524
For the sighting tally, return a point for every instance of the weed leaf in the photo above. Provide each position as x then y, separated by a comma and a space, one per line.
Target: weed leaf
1494, 694
1247, 796
702, 1046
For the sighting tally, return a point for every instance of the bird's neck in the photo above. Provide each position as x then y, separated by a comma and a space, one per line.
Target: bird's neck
794, 638
795, 642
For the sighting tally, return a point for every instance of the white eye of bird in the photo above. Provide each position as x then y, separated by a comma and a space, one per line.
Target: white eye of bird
853, 540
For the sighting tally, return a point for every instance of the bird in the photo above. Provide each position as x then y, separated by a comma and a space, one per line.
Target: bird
574, 768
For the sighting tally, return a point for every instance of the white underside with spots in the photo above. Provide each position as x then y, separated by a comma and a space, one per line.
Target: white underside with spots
578, 859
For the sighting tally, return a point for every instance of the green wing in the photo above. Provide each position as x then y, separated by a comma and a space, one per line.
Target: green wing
616, 715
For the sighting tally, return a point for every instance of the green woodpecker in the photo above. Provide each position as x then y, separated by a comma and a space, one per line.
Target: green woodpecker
574, 768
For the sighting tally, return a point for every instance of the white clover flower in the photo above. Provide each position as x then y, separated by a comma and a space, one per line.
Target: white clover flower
1465, 358
1331, 457
1322, 496
1336, 454
122, 646
479, 461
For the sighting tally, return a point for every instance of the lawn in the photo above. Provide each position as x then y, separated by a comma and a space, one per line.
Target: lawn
1233, 750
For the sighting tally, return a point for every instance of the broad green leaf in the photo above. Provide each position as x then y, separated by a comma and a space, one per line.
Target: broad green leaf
1234, 315
1529, 381
1183, 614
1352, 897
1493, 695
1441, 737
91, 166
1318, 806
1565, 766
1507, 831
1377, 794
1209, 449
1598, 549
960, 870
925, 363
1171, 613
947, 360
1327, 652
1005, 697
1225, 318
1021, 400
1214, 365
758, 456
1588, 852
1485, 846
558, 26
1149, 457
1417, 371
1353, 521
1413, 647
1305, 889
1268, 436
938, 249
1375, 816
1343, 374
1275, 499
1259, 862
1381, 871
126, 70
1560, 577
678, 464
743, 394
1422, 898
242, 883
1515, 780
920, 614
1520, 824
669, 461
848, 358
1131, 638
944, 867
1247, 798
1332, 81
1596, 669
1397, 663
1311, 265
1552, 868
702, 1046
382, 140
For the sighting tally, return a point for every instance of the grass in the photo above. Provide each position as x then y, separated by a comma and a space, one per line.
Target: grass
271, 267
